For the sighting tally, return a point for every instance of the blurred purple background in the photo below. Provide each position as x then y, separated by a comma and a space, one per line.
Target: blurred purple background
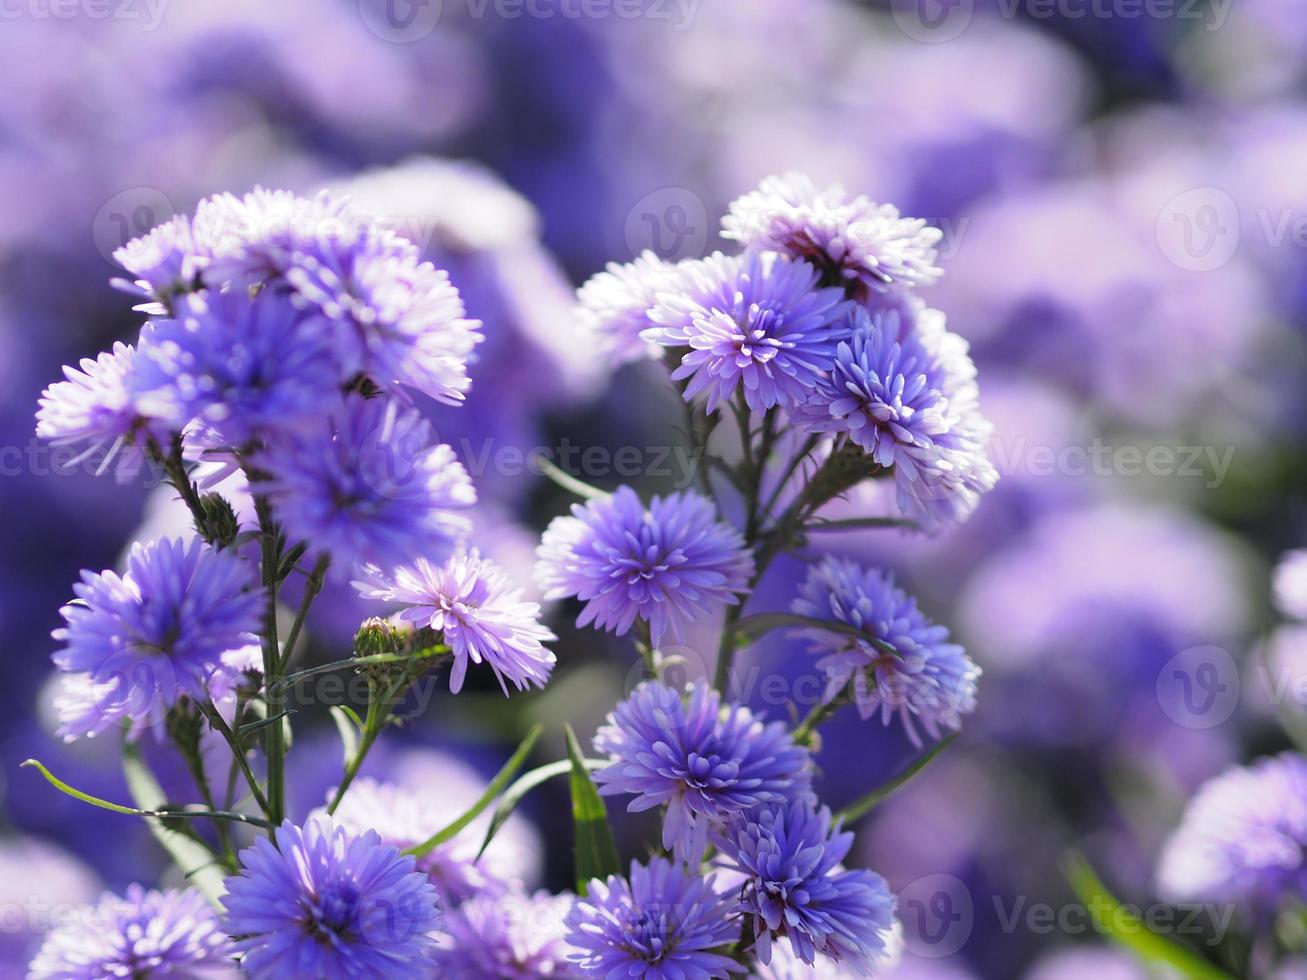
1125, 240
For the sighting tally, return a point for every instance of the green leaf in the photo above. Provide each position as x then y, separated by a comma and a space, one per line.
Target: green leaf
250, 728
348, 725
854, 523
525, 783
196, 862
1124, 927
596, 854
77, 794
865, 804
567, 481
496, 787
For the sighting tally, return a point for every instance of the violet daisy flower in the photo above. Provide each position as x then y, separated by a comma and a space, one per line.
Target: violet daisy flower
852, 241
166, 262
329, 904
142, 935
668, 565
477, 610
614, 306
509, 937
368, 485
700, 760
795, 887
142, 639
96, 406
662, 924
907, 398
1243, 837
240, 367
756, 324
393, 317
897, 660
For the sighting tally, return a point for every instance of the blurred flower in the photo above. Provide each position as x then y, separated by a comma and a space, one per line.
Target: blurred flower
1243, 837
96, 406
668, 565
478, 612
167, 262
241, 367
1290, 584
326, 903
852, 241
703, 762
142, 935
790, 855
907, 397
897, 659
406, 797
664, 924
37, 878
367, 485
511, 937
614, 306
141, 640
756, 325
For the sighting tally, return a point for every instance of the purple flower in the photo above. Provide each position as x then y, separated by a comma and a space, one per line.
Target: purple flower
368, 485
614, 306
240, 367
756, 325
790, 855
327, 903
896, 659
139, 641
664, 924
907, 397
96, 407
166, 262
703, 762
142, 935
392, 316
1289, 584
1243, 837
668, 565
478, 611
510, 937
852, 241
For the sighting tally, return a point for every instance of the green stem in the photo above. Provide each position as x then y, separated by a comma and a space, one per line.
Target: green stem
311, 589
237, 751
274, 738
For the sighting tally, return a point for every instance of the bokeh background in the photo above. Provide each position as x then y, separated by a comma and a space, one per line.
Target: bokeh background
1120, 185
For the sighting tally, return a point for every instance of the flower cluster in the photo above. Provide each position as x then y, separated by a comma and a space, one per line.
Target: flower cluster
816, 323
294, 346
